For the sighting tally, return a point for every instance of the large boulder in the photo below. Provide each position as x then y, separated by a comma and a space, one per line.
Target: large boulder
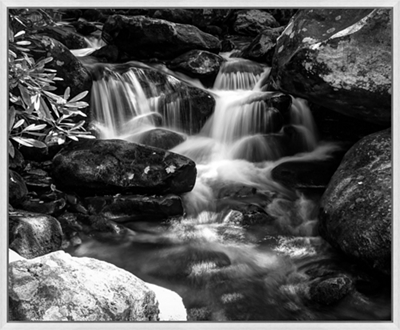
253, 21
340, 59
116, 166
145, 38
68, 67
175, 15
356, 208
58, 287
33, 234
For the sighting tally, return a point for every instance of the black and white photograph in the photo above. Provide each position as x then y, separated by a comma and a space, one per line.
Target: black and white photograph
199, 166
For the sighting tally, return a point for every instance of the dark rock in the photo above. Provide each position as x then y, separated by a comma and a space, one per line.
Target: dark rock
306, 174
40, 154
335, 126
331, 290
54, 287
262, 48
145, 38
94, 15
356, 208
40, 206
339, 59
175, 15
17, 162
283, 103
66, 36
16, 188
71, 13
195, 107
37, 179
198, 64
136, 208
203, 18
236, 42
282, 16
68, 67
33, 234
107, 54
252, 22
84, 28
116, 166
161, 138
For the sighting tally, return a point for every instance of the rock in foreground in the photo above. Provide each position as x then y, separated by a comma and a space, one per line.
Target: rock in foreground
116, 166
33, 234
356, 208
58, 287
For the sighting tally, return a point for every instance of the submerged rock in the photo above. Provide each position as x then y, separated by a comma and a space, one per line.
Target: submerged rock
144, 38
58, 287
136, 208
161, 138
117, 166
330, 291
356, 208
33, 234
253, 21
340, 59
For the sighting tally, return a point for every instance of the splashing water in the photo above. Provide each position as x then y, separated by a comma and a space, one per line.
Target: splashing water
248, 247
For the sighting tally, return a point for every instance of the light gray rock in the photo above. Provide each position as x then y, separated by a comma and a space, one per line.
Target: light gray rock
58, 287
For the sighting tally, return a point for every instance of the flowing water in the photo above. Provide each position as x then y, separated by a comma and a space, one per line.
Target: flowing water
247, 248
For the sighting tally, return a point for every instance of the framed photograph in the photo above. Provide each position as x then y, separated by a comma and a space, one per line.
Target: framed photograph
206, 166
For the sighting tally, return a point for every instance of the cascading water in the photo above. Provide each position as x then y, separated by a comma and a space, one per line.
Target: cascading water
247, 248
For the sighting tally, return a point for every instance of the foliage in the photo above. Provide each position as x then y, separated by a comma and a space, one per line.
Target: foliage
37, 116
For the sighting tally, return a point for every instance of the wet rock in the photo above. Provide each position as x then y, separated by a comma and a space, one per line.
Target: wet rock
95, 15
262, 48
67, 36
68, 67
58, 287
356, 208
116, 166
84, 28
33, 234
107, 54
330, 291
144, 38
16, 188
253, 21
37, 179
306, 174
39, 206
195, 107
161, 138
339, 59
198, 64
175, 15
136, 208
206, 17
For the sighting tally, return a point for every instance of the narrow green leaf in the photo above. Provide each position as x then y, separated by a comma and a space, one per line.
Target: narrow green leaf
67, 93
78, 97
23, 43
72, 137
34, 127
38, 144
25, 94
11, 149
23, 141
18, 34
19, 123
